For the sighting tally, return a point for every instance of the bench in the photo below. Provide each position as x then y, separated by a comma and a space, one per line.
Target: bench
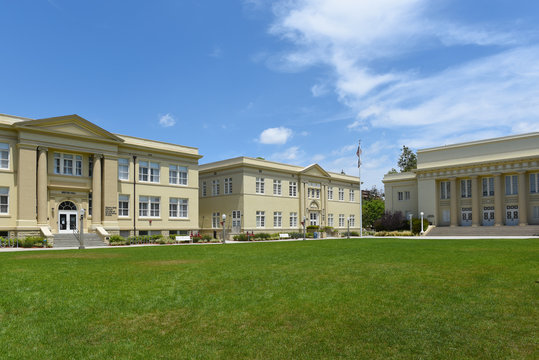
184, 238
284, 236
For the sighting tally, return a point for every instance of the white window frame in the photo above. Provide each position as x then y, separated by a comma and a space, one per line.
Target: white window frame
216, 220
149, 206
534, 183
330, 220
277, 187
352, 219
228, 186
123, 205
400, 195
330, 193
352, 195
259, 186
177, 175
341, 194
293, 219
260, 219
178, 208
68, 164
341, 221
149, 171
123, 169
215, 187
293, 188
4, 200
488, 186
511, 185
466, 188
4, 156
445, 190
277, 219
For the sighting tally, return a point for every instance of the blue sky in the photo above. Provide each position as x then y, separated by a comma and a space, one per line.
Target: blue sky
292, 81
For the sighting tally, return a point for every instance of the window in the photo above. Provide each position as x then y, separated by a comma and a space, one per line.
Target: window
277, 187
341, 194
406, 195
215, 219
204, 190
177, 208
90, 166
341, 220
63, 164
149, 206
352, 220
90, 204
123, 205
445, 190
293, 188
313, 218
123, 169
149, 171
277, 219
400, 195
330, 193
177, 175
259, 185
488, 186
4, 200
215, 187
4, 156
534, 183
352, 195
314, 193
260, 219
330, 220
228, 185
236, 219
293, 219
466, 188
511, 185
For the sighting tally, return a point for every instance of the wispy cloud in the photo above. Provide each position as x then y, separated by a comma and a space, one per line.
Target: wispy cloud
167, 120
279, 135
292, 154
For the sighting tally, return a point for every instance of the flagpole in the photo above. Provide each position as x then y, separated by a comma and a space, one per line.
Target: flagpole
360, 193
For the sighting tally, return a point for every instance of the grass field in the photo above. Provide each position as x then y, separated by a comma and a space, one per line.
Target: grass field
357, 299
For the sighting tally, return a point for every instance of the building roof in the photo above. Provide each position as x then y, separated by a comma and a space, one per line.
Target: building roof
244, 161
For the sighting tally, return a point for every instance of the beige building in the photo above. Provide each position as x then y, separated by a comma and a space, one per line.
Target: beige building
263, 196
51, 169
481, 183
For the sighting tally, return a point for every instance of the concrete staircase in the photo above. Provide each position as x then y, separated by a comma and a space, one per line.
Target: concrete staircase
69, 240
528, 230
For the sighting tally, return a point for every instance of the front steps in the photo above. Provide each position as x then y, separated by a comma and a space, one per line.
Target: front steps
527, 230
69, 240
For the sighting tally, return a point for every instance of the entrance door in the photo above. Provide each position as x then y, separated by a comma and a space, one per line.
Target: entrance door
466, 217
67, 217
511, 215
236, 221
314, 218
488, 216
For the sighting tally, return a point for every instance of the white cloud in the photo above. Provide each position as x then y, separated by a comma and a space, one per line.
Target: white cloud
292, 154
279, 135
167, 120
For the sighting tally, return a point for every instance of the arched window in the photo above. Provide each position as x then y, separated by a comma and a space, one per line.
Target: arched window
67, 205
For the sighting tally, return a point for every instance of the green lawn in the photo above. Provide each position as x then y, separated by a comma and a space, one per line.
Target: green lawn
358, 299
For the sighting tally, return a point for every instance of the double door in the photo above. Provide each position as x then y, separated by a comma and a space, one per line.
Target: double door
488, 216
466, 217
511, 215
67, 221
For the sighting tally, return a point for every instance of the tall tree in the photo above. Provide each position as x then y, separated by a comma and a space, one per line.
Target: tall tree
407, 160
373, 209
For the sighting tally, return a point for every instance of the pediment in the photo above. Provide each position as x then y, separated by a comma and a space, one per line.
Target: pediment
315, 170
73, 125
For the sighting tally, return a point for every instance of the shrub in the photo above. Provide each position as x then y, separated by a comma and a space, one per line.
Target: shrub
117, 240
32, 241
352, 233
390, 222
207, 237
241, 237
313, 228
328, 229
296, 235
393, 233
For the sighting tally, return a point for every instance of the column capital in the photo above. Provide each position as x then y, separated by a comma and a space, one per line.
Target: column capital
42, 148
98, 156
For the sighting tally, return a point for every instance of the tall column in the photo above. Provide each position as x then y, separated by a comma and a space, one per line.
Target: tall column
453, 202
476, 198
96, 190
26, 187
498, 200
109, 190
42, 186
522, 198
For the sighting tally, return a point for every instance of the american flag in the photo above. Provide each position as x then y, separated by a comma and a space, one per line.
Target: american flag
358, 153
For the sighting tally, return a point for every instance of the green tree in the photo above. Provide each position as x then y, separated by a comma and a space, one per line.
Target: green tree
373, 209
407, 160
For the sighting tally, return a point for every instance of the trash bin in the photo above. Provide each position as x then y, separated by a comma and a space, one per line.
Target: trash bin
316, 234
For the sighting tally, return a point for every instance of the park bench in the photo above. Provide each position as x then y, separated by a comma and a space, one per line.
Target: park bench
284, 236
182, 238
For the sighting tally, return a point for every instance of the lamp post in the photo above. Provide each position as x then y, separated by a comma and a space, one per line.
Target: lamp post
224, 219
81, 231
422, 222
410, 216
304, 223
348, 232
